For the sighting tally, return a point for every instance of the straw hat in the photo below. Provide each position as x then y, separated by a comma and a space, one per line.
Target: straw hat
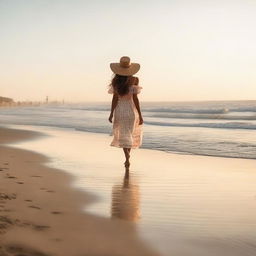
125, 67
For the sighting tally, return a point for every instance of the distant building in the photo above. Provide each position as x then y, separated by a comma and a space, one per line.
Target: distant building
4, 100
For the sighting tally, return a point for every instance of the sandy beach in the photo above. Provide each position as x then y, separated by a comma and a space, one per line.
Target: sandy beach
169, 205
41, 215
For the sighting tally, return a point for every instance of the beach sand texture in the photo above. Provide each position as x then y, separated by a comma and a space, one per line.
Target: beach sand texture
41, 215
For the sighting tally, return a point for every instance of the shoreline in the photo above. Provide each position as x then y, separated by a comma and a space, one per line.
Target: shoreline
42, 134
41, 213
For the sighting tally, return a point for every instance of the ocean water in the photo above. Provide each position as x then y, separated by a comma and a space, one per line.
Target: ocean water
220, 128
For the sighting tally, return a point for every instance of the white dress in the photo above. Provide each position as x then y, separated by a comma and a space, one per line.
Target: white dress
126, 129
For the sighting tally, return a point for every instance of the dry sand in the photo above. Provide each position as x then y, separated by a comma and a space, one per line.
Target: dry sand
40, 214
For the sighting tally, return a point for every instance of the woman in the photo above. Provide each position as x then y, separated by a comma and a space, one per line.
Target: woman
127, 126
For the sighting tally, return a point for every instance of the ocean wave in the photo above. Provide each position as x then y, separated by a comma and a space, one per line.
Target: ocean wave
188, 111
243, 109
204, 116
159, 110
230, 125
169, 109
91, 108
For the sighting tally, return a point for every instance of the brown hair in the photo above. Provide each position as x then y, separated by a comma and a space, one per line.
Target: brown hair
121, 84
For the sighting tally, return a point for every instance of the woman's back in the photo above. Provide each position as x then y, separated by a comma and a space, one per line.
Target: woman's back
132, 88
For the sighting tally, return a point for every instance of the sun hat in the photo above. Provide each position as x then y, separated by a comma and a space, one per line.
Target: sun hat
125, 67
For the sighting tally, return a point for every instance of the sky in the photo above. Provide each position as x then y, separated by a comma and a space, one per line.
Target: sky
188, 49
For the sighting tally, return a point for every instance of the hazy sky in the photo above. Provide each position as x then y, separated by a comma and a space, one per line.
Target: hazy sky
188, 49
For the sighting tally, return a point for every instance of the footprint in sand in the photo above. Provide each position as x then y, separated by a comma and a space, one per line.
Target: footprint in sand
20, 182
50, 191
36, 176
11, 177
56, 212
6, 222
8, 176
4, 196
40, 227
35, 207
28, 200
14, 249
34, 226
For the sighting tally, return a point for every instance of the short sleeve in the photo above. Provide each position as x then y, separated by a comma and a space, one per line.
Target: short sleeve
136, 89
110, 90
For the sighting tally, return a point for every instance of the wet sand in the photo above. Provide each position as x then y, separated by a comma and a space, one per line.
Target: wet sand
179, 205
40, 214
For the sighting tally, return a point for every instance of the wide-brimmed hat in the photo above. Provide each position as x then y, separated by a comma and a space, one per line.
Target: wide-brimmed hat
125, 67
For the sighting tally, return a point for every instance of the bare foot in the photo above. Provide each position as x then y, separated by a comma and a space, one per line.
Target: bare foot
127, 163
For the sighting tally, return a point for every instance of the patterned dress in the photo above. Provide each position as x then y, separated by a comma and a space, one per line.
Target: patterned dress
126, 129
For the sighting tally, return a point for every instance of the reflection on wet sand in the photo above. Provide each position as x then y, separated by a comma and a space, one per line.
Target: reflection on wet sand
126, 199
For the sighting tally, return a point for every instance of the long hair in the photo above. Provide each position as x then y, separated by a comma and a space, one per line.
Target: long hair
121, 84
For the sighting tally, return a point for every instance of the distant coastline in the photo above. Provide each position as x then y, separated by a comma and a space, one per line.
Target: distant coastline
9, 102
6, 101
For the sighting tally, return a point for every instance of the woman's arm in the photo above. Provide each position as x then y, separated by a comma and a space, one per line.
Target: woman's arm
136, 100
137, 105
113, 106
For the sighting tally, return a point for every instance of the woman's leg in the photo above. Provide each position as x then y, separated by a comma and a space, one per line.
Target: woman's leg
127, 156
